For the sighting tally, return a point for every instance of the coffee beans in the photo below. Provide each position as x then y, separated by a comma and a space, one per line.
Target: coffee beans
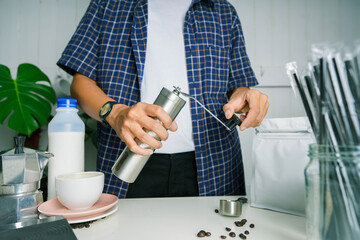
81, 225
242, 236
241, 223
203, 233
232, 234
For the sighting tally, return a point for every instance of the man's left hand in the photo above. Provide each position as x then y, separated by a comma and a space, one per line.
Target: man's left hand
252, 102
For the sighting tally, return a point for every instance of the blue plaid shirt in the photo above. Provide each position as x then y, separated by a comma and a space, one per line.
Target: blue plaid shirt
109, 46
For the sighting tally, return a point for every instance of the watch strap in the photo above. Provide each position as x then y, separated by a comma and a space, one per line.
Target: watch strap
103, 116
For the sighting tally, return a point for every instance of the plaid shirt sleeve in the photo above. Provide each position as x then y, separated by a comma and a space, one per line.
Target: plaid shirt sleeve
241, 73
80, 55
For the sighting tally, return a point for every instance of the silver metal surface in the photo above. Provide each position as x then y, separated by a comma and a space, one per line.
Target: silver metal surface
232, 208
29, 222
19, 188
18, 168
128, 166
19, 207
21, 170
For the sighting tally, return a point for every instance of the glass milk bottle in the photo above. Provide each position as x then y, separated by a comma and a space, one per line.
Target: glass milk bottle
66, 133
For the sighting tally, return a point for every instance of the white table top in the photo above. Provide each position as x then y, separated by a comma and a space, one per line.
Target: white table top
183, 218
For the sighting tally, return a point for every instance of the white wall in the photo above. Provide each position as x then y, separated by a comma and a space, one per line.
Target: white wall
36, 31
276, 32
282, 31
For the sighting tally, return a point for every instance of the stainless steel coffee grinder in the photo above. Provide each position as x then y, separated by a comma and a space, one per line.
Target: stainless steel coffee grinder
21, 170
128, 166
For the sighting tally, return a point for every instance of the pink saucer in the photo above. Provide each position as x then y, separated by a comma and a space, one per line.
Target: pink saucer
54, 208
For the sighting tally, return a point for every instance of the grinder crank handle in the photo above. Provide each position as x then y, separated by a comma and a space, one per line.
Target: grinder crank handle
233, 122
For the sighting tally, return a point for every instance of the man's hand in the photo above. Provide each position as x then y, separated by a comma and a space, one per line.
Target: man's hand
249, 101
131, 123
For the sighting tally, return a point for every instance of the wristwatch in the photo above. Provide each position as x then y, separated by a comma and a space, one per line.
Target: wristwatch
105, 111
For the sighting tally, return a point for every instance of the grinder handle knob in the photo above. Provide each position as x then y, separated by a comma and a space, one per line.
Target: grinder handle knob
234, 121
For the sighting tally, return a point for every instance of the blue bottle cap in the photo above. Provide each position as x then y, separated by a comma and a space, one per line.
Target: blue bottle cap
66, 102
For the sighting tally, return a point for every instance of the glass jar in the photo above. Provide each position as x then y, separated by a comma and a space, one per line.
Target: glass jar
332, 180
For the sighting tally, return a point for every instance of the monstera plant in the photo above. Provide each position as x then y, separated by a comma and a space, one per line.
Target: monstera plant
27, 100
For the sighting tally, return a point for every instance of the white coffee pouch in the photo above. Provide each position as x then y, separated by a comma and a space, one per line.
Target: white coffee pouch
279, 157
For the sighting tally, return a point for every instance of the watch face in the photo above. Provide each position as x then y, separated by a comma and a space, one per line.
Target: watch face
105, 109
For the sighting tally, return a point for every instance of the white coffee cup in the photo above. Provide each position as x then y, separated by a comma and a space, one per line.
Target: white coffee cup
79, 191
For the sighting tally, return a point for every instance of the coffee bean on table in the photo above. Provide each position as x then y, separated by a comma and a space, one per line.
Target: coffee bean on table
202, 233
242, 236
81, 225
228, 229
232, 234
239, 224
223, 237
208, 234
217, 210
252, 225
246, 232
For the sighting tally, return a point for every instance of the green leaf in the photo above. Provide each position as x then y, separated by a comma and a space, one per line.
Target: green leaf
26, 100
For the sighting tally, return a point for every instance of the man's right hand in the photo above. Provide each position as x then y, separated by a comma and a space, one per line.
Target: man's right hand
131, 123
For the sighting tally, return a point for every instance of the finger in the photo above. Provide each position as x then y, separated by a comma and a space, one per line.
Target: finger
245, 109
252, 114
237, 105
249, 120
124, 135
264, 106
228, 110
156, 127
159, 113
263, 112
173, 127
139, 150
146, 138
242, 117
134, 147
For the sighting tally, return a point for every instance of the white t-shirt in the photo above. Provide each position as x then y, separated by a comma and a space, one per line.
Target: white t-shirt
165, 66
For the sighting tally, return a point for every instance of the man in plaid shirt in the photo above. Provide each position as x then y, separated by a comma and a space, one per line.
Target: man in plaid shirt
125, 51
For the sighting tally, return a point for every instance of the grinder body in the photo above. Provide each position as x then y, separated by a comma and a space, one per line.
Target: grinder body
128, 166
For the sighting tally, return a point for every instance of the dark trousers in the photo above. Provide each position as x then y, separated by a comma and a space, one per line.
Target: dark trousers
166, 175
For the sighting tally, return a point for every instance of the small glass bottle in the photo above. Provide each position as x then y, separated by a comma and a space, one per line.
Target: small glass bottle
66, 132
